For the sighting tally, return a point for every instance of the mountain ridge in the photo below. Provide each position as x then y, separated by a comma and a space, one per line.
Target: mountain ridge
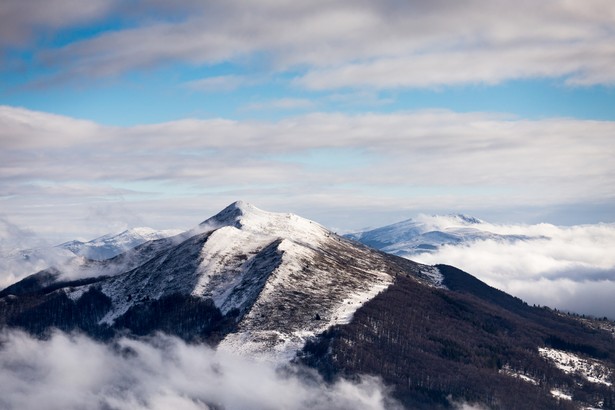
111, 245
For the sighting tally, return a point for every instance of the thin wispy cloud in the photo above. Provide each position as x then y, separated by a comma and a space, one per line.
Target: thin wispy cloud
221, 83
475, 66
283, 103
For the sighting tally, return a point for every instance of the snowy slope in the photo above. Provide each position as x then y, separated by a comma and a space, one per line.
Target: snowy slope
428, 233
592, 370
286, 278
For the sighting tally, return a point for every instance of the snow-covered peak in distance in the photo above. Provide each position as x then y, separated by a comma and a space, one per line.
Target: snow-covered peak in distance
426, 233
106, 255
110, 245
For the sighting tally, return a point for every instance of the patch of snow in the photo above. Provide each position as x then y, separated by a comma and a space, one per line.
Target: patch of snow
559, 394
226, 258
345, 311
76, 294
592, 370
247, 217
507, 370
434, 277
266, 346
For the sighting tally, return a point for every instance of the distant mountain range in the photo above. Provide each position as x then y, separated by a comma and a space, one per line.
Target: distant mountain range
111, 245
285, 289
428, 234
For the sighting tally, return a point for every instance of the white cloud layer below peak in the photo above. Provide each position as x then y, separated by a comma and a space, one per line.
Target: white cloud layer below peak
74, 372
566, 267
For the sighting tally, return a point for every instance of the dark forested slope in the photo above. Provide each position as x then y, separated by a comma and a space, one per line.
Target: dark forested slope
471, 343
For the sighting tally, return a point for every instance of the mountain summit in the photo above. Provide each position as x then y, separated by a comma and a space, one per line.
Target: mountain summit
233, 215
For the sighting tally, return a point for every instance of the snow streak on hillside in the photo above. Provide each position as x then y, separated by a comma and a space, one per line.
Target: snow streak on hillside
592, 370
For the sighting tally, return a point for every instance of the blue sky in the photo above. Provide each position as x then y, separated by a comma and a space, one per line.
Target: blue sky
352, 113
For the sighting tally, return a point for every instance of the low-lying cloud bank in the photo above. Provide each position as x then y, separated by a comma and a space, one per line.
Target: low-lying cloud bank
570, 268
74, 372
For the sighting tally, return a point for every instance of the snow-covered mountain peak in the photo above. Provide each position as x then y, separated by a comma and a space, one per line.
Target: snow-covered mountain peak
234, 215
246, 217
134, 235
427, 233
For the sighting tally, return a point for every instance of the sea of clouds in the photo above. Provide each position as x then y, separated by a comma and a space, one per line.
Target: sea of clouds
566, 267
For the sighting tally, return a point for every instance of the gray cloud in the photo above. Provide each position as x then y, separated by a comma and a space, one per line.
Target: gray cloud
222, 83
12, 237
21, 21
73, 372
356, 43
